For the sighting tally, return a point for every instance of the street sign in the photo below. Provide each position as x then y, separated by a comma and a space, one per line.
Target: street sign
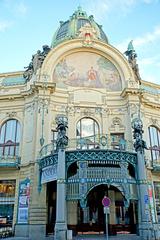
146, 199
106, 210
106, 201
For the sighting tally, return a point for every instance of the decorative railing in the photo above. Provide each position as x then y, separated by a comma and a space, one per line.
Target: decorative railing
10, 161
103, 142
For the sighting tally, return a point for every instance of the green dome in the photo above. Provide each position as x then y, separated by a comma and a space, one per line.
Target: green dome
71, 28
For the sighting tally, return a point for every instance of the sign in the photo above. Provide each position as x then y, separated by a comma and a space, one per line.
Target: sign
106, 210
23, 201
146, 199
106, 201
49, 174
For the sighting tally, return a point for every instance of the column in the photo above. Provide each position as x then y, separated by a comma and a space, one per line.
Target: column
61, 143
140, 145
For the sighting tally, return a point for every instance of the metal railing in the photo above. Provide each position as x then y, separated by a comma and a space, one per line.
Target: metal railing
9, 161
104, 142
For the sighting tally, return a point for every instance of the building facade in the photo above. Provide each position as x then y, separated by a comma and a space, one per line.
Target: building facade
47, 188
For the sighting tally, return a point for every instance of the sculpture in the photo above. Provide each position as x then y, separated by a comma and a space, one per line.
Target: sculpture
132, 60
139, 143
62, 125
36, 62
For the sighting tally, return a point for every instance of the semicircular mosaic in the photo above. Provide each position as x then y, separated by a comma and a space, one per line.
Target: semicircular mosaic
84, 69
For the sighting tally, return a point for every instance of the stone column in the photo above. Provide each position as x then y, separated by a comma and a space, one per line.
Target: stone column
62, 141
112, 215
85, 214
140, 145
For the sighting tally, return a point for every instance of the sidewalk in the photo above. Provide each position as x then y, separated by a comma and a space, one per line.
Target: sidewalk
90, 237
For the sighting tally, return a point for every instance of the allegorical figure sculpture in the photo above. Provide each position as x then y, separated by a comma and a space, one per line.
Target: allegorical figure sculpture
62, 125
36, 62
132, 59
139, 143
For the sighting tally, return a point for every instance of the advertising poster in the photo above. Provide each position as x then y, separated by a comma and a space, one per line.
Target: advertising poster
23, 203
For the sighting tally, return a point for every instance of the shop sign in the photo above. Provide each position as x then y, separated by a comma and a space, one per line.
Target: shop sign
49, 174
23, 201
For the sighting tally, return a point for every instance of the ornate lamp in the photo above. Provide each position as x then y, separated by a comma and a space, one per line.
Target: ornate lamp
62, 125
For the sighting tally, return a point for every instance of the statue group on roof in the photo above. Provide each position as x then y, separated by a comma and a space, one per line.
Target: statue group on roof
131, 54
36, 62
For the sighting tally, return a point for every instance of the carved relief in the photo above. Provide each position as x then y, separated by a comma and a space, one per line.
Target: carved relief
117, 125
11, 114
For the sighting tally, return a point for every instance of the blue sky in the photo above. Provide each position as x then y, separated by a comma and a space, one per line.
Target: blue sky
26, 25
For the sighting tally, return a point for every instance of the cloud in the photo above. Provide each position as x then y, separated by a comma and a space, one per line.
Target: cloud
16, 7
150, 61
147, 38
102, 8
4, 25
21, 8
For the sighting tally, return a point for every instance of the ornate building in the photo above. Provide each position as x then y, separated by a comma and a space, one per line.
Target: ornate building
70, 134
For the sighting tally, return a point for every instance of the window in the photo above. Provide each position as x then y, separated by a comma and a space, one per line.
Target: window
87, 132
117, 141
7, 195
10, 138
154, 136
157, 199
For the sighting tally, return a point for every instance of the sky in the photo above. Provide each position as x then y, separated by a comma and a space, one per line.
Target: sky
26, 25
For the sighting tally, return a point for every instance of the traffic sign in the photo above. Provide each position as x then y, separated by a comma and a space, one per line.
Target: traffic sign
146, 199
106, 201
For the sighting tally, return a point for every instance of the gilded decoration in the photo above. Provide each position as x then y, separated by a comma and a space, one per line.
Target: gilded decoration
85, 69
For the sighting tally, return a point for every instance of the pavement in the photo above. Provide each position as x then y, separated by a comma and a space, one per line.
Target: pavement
90, 237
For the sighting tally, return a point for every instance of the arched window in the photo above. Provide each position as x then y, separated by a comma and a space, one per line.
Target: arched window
154, 135
10, 138
87, 131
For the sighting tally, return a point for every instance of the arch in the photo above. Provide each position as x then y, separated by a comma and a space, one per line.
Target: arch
119, 187
87, 131
10, 135
104, 50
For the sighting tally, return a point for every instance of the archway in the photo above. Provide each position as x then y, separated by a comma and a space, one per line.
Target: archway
122, 217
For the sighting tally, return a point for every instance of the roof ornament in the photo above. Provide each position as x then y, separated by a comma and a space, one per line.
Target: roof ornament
36, 62
131, 54
88, 34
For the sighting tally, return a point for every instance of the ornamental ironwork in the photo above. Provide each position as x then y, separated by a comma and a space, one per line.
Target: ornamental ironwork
62, 125
48, 161
98, 156
139, 143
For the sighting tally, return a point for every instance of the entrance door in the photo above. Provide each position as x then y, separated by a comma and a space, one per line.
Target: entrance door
120, 218
51, 203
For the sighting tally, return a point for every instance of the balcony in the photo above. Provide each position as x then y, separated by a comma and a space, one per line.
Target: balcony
8, 161
96, 142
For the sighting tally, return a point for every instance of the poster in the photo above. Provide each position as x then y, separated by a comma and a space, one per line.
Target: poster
23, 201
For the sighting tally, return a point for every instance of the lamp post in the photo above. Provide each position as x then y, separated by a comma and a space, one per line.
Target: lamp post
140, 145
61, 143
43, 107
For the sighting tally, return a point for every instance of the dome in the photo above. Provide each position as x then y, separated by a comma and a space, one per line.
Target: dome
73, 27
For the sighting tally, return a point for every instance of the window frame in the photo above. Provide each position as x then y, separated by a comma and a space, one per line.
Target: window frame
154, 149
9, 144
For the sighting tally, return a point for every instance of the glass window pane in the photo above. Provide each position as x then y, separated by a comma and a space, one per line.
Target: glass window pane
6, 150
2, 134
18, 133
86, 130
10, 131
17, 151
1, 151
154, 135
11, 152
